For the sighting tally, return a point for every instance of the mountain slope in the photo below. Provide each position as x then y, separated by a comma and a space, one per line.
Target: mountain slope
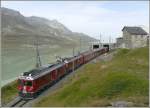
15, 25
20, 33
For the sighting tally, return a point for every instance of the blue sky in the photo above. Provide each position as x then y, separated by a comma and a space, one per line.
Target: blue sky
90, 17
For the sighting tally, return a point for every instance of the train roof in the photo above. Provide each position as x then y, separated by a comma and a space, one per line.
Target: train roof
34, 73
37, 72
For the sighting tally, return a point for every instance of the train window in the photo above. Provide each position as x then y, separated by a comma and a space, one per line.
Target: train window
28, 83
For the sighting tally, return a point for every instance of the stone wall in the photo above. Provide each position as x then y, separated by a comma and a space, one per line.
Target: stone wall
139, 41
127, 39
119, 42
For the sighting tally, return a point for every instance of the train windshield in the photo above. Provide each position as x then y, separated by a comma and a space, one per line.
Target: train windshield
28, 83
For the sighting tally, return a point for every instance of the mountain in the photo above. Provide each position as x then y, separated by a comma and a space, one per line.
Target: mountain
21, 30
20, 34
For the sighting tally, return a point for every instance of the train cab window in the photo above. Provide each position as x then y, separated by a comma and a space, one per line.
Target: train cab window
28, 83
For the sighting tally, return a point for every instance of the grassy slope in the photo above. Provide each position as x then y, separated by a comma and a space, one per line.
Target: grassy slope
8, 92
123, 78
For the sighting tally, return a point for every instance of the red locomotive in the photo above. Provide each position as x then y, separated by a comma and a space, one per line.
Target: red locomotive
33, 82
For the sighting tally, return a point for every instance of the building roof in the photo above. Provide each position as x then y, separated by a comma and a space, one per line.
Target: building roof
135, 30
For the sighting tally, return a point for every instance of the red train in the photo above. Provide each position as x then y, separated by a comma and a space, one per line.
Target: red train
33, 82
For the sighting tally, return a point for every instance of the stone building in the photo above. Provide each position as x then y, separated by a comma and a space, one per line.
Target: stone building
119, 42
134, 37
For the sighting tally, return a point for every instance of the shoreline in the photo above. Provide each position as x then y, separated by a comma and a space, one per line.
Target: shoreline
6, 82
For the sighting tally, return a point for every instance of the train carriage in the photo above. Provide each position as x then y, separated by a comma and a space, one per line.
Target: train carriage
69, 66
61, 71
32, 82
81, 60
53, 75
88, 56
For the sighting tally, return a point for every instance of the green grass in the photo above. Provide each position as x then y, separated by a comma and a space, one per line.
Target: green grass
8, 92
125, 77
123, 84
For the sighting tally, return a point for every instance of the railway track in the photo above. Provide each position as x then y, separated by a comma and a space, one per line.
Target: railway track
18, 102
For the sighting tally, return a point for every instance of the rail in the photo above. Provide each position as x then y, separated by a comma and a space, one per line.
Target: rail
18, 102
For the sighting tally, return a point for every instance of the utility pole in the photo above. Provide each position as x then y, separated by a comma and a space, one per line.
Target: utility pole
109, 39
73, 52
80, 44
38, 59
100, 39
73, 61
110, 42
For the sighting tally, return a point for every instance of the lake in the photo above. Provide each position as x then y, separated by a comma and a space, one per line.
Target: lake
17, 61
